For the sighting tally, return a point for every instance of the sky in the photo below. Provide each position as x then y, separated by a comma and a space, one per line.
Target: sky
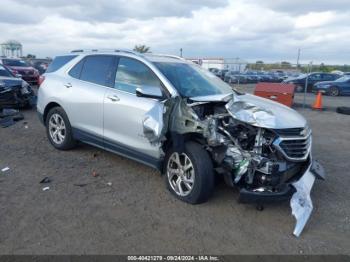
268, 30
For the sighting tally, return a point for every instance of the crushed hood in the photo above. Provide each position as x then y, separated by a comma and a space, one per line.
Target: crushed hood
257, 111
7, 82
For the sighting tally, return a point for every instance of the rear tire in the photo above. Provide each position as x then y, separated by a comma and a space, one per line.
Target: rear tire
200, 173
59, 130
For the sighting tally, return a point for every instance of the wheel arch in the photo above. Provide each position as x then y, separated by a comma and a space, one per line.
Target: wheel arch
48, 107
174, 139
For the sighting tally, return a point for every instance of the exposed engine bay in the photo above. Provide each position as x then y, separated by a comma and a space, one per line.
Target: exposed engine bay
249, 151
246, 155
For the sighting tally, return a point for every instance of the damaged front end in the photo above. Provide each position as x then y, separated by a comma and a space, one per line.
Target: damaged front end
15, 94
251, 146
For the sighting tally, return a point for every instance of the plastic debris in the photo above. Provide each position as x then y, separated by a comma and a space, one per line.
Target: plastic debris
45, 180
9, 117
109, 184
301, 203
5, 169
46, 188
80, 185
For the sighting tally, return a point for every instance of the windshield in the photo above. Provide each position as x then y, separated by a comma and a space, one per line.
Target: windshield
343, 79
13, 62
192, 80
5, 72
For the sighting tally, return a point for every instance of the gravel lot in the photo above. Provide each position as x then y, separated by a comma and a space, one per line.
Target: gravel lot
82, 214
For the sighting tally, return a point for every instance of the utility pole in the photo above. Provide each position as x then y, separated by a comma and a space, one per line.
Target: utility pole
306, 82
298, 58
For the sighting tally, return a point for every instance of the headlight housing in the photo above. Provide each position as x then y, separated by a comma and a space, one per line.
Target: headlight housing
25, 88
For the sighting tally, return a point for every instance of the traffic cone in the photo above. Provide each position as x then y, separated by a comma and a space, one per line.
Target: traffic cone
318, 102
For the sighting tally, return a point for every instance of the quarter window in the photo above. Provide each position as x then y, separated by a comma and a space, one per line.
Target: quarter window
58, 62
132, 74
97, 69
76, 70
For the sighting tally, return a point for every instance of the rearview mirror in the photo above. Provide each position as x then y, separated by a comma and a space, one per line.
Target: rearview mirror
149, 92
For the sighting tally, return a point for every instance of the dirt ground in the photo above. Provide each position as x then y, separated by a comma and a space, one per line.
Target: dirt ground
82, 214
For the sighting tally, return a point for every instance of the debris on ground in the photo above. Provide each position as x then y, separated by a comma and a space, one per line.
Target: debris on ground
109, 184
9, 117
80, 185
45, 180
95, 174
46, 188
343, 110
5, 169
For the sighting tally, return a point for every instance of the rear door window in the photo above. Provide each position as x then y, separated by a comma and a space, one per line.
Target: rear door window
58, 62
132, 74
97, 69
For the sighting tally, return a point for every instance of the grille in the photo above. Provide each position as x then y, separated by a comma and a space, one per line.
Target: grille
293, 145
289, 131
296, 148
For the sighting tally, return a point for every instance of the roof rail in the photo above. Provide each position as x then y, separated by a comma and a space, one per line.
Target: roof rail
104, 50
165, 55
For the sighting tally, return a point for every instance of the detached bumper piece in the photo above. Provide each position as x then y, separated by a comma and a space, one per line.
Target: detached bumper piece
301, 202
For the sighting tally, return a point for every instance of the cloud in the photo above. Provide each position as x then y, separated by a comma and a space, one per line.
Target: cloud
120, 10
252, 30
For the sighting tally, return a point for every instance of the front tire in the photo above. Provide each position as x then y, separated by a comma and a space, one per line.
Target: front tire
59, 130
189, 175
334, 91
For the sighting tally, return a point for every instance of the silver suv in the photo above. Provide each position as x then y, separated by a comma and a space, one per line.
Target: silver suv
182, 120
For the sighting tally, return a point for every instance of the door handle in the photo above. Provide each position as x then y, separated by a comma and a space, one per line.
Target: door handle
68, 85
113, 98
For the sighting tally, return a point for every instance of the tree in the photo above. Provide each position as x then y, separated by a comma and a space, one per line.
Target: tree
142, 49
31, 56
285, 64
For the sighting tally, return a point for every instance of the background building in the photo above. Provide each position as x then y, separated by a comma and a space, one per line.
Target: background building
233, 64
12, 48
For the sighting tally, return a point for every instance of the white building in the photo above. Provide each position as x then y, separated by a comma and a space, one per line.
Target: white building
233, 64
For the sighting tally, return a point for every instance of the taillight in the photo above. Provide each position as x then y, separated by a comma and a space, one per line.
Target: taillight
41, 80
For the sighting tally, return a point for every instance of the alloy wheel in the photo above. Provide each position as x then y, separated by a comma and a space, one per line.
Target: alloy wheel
57, 129
181, 175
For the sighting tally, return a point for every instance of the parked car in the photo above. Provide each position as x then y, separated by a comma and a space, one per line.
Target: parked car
313, 78
41, 66
230, 77
172, 115
14, 92
20, 67
223, 73
341, 86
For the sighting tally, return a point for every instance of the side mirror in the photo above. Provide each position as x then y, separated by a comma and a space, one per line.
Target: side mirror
149, 92
18, 75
